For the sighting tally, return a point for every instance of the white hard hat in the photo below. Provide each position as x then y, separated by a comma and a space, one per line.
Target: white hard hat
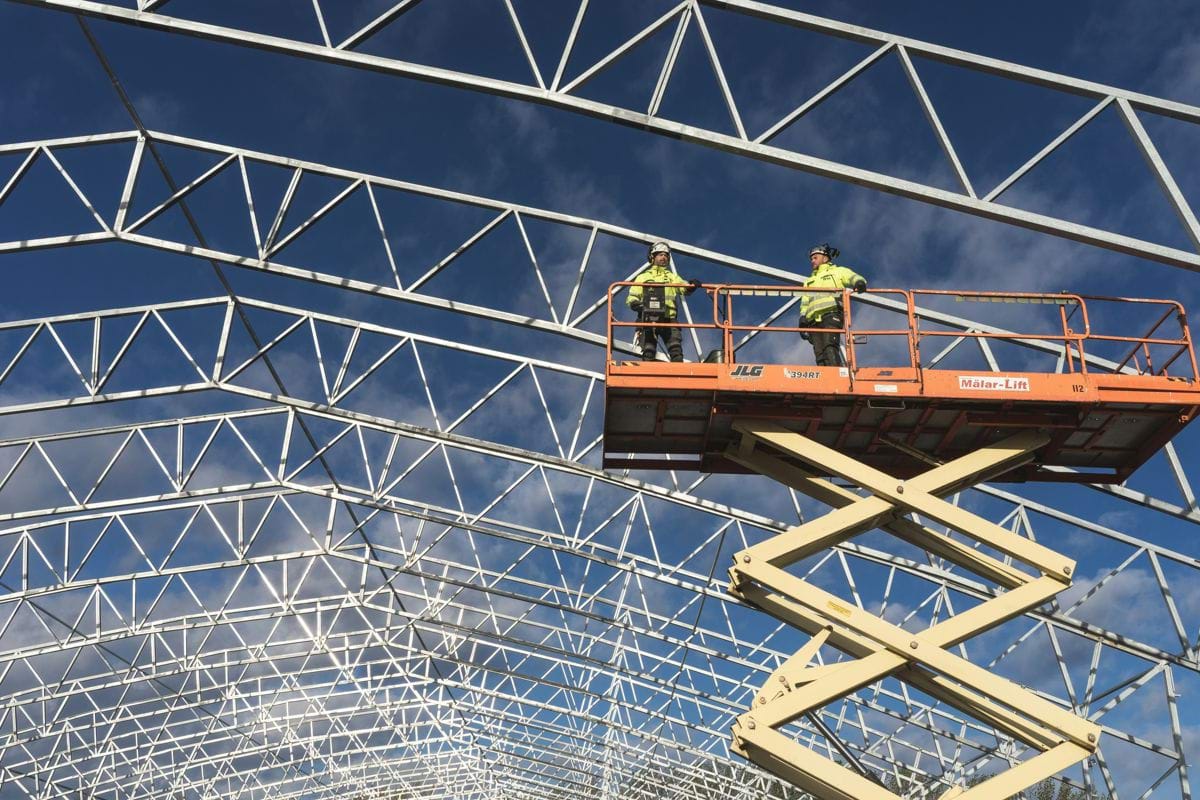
824, 249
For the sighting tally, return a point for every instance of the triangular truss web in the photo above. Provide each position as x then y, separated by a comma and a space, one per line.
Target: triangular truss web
42, 197
482, 35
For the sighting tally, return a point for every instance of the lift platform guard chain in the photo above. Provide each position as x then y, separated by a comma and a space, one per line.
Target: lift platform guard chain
877, 648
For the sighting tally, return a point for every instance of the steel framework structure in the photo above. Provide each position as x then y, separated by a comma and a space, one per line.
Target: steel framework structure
359, 576
563, 93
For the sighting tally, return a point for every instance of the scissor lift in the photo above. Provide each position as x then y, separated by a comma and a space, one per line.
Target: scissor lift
909, 435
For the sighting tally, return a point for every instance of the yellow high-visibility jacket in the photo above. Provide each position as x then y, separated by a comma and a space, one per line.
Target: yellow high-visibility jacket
815, 305
653, 274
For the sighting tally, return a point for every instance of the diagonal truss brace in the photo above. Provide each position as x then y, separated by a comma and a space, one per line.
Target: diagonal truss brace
877, 648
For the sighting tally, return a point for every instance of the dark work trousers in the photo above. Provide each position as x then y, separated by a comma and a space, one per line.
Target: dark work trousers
827, 346
673, 338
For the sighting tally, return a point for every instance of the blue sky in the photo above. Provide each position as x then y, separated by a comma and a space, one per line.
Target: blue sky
550, 158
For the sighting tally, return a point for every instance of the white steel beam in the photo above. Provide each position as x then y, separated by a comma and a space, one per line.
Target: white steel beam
738, 145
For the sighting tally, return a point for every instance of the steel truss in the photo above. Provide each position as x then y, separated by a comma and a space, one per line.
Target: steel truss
690, 15
96, 374
577, 318
314, 592
558, 637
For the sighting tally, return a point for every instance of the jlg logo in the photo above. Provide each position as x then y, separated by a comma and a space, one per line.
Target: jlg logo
746, 372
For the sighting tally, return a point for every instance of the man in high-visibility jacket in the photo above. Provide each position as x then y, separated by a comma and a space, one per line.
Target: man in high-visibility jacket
824, 309
657, 303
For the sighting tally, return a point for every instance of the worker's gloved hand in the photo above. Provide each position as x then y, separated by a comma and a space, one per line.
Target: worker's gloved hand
636, 305
693, 285
860, 287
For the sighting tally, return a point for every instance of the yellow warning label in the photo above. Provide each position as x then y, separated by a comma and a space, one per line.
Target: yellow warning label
838, 608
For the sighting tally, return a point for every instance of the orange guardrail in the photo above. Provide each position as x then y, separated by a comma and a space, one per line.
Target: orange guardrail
1075, 342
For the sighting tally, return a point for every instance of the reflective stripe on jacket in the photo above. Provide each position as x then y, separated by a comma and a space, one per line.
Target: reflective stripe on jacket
653, 274
814, 305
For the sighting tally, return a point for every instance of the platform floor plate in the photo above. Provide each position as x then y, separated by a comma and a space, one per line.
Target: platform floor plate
1105, 426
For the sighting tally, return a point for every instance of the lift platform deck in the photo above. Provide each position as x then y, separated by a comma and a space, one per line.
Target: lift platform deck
1104, 416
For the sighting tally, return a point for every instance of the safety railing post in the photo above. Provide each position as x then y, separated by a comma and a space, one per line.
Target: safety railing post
609, 324
1187, 339
1082, 337
728, 343
914, 352
1067, 339
847, 337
